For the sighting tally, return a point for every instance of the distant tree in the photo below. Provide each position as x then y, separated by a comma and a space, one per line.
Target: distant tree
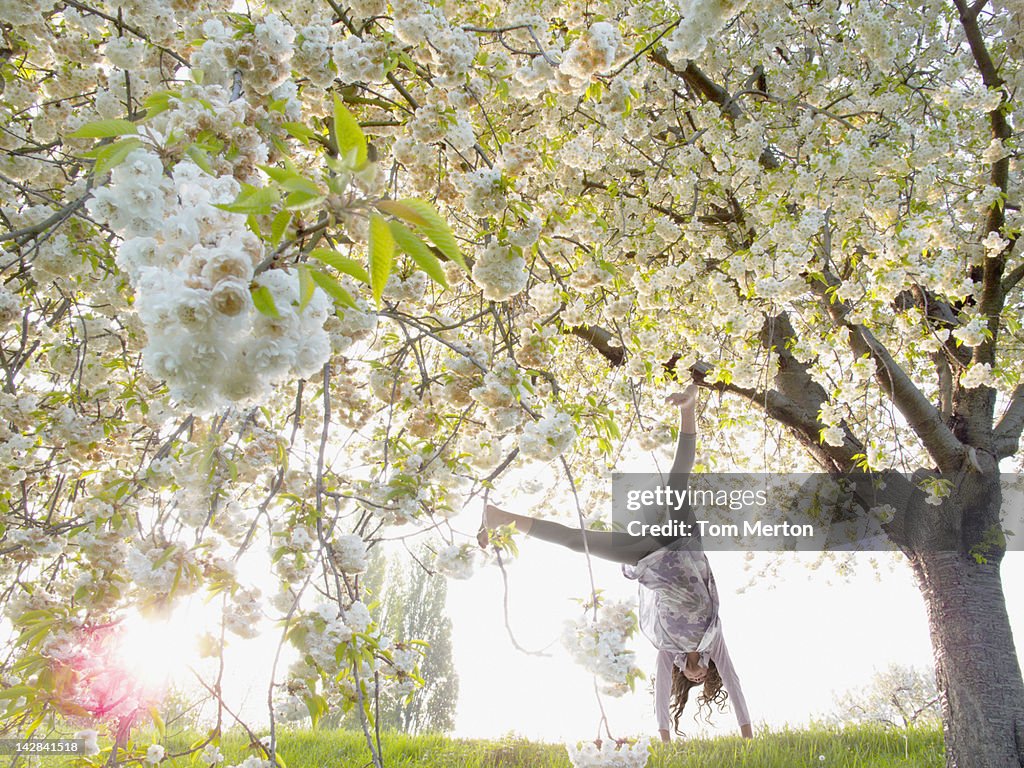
900, 696
412, 607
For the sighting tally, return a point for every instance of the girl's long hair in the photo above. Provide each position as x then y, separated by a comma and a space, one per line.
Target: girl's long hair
713, 693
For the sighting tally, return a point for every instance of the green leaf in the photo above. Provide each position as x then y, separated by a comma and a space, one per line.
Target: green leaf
201, 158
341, 263
381, 252
301, 184
167, 555
300, 131
157, 102
158, 721
104, 129
111, 155
279, 226
401, 211
263, 300
332, 288
418, 251
350, 137
252, 200
300, 199
436, 229
306, 287
277, 174
290, 179
317, 706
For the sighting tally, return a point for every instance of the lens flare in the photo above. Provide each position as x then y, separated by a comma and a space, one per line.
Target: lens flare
157, 652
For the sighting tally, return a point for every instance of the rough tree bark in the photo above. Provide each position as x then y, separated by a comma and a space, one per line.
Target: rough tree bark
979, 679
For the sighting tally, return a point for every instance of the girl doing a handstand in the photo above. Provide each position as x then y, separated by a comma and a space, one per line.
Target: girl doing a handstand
678, 596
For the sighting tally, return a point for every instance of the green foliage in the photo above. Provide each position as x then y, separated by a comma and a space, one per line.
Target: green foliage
429, 223
380, 253
341, 263
107, 156
263, 300
253, 200
418, 251
104, 129
348, 136
817, 746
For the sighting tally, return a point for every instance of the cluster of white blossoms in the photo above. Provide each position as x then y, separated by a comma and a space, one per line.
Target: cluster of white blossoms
349, 553
977, 375
245, 612
994, 244
10, 308
833, 436
211, 755
610, 754
532, 79
90, 739
261, 58
252, 762
500, 272
545, 298
193, 268
361, 60
547, 438
312, 55
972, 333
451, 50
325, 629
600, 645
154, 754
591, 53
457, 561
151, 571
483, 191
589, 277
535, 347
701, 21
498, 396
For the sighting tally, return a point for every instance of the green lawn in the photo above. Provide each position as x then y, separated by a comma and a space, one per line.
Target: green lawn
819, 747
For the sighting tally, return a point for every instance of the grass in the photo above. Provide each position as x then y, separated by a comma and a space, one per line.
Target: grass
850, 747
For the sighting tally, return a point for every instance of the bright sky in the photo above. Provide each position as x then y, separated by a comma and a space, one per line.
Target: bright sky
795, 641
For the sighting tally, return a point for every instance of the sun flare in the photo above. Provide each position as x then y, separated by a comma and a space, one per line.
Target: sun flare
159, 652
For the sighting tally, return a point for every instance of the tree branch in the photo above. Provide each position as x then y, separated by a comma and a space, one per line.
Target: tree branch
926, 421
1012, 278
981, 401
699, 81
796, 407
804, 427
1008, 430
601, 340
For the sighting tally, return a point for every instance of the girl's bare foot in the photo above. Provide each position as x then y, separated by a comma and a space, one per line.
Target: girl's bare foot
493, 517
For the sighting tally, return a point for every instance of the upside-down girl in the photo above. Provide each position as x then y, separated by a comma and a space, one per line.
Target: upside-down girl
678, 596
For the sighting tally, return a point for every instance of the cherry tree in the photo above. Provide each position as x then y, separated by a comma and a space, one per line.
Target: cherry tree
285, 279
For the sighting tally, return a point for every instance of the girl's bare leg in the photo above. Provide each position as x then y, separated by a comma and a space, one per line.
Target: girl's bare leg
495, 516
608, 545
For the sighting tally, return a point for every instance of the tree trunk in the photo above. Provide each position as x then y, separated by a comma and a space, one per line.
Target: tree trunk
976, 665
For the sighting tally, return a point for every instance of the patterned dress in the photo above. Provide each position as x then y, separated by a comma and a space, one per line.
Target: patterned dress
678, 601
679, 614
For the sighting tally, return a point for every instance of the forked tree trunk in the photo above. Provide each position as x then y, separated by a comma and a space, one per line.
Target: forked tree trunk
976, 665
